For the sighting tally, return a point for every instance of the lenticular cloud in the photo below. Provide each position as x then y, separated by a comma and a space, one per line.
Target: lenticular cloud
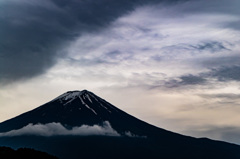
53, 129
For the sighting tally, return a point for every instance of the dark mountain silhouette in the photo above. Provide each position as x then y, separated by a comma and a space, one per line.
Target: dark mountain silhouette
23, 153
77, 108
67, 125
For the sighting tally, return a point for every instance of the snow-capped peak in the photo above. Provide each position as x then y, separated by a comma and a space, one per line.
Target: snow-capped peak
70, 95
87, 99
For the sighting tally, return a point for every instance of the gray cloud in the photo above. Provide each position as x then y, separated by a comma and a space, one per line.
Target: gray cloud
204, 46
34, 34
226, 73
85, 62
223, 61
234, 25
192, 80
230, 96
214, 6
222, 74
223, 99
211, 46
186, 80
160, 80
52, 129
29, 38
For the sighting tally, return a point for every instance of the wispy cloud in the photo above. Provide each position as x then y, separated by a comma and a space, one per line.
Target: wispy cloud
230, 96
186, 80
211, 46
219, 75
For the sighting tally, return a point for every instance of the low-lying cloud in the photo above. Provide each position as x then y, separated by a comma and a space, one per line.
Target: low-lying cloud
53, 129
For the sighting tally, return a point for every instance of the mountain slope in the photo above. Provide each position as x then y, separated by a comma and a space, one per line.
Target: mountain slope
79, 111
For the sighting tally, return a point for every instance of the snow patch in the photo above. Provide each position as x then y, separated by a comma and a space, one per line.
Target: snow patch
81, 100
87, 105
89, 98
73, 95
90, 109
69, 95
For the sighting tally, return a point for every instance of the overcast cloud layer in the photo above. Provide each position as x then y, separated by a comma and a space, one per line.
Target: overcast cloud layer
175, 65
33, 34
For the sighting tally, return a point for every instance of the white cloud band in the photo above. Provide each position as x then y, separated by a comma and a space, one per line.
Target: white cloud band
52, 129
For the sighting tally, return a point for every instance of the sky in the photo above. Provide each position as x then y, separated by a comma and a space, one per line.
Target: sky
174, 64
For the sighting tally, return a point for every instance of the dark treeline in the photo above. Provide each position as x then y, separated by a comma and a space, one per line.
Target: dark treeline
23, 153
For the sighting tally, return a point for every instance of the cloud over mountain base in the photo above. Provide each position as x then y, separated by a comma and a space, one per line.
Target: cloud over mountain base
53, 129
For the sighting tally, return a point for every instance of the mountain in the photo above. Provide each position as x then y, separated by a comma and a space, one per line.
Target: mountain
79, 124
77, 108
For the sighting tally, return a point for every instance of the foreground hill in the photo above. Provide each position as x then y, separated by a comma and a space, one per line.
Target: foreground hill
23, 153
79, 124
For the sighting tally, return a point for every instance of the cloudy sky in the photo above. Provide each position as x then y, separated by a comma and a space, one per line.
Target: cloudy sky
174, 64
